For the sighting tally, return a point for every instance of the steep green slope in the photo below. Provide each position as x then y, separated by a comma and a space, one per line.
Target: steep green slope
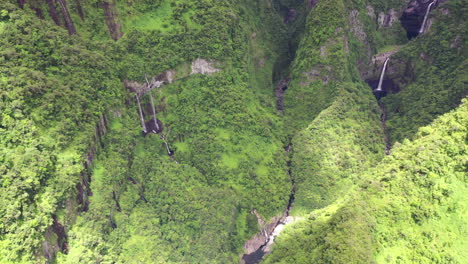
79, 183
431, 71
136, 202
331, 113
53, 91
409, 209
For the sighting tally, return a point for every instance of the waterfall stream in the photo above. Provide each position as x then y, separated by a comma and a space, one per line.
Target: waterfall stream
154, 112
143, 125
382, 75
421, 30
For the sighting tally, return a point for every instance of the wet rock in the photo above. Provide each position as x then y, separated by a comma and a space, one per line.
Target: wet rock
55, 240
290, 16
279, 92
457, 42
261, 238
356, 26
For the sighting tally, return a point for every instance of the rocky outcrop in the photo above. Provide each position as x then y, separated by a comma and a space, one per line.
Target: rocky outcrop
56, 240
198, 66
110, 14
53, 12
155, 82
80, 9
21, 3
266, 229
312, 3
279, 92
413, 15
202, 66
387, 19
356, 27
358, 31
66, 17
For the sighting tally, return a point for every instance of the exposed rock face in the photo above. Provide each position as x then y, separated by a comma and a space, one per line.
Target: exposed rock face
292, 14
21, 3
357, 29
356, 26
56, 240
387, 19
279, 92
111, 14
380, 58
266, 230
312, 3
370, 11
80, 9
53, 12
393, 69
155, 82
202, 66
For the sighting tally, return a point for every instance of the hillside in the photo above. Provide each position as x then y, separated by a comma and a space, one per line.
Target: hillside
180, 131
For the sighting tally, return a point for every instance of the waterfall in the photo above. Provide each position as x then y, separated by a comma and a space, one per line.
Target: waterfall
421, 30
154, 113
143, 125
379, 87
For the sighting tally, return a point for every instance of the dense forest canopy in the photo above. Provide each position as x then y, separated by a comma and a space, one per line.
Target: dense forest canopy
182, 131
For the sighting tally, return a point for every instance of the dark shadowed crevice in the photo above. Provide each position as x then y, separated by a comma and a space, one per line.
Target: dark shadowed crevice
413, 16
110, 16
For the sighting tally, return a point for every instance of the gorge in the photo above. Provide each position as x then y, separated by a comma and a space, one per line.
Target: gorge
263, 131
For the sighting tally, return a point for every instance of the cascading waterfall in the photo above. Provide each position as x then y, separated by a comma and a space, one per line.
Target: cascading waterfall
421, 30
154, 113
382, 75
143, 125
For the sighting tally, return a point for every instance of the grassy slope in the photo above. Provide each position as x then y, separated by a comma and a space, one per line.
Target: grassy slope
409, 210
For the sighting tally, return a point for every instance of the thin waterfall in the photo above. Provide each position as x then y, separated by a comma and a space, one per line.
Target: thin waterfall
143, 125
154, 112
421, 30
379, 87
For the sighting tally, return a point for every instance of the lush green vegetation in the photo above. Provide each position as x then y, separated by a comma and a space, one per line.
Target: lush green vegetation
80, 184
223, 128
409, 209
53, 90
331, 114
436, 80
